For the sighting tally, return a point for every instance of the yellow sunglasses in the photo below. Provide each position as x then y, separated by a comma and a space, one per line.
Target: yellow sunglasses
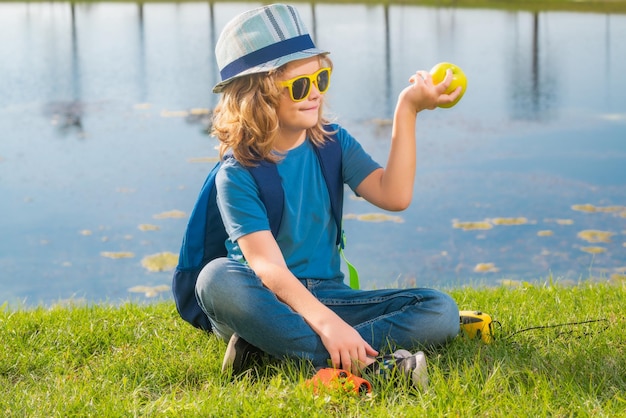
300, 87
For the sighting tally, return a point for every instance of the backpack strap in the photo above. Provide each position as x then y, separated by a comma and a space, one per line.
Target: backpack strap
329, 156
271, 192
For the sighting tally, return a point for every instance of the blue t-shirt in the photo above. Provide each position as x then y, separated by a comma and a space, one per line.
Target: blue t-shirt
308, 231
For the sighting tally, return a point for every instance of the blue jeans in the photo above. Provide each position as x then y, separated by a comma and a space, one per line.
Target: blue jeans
235, 300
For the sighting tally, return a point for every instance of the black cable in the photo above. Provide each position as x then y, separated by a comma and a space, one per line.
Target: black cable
557, 326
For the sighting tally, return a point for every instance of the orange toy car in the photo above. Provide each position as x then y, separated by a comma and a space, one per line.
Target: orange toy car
339, 378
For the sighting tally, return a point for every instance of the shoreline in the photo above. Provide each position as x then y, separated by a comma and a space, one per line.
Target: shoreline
535, 6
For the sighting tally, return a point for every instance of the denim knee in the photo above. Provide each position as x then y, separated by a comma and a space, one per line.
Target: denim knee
206, 279
213, 284
210, 275
434, 321
449, 322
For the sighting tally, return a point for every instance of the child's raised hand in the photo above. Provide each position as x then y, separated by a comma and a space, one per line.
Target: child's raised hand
424, 94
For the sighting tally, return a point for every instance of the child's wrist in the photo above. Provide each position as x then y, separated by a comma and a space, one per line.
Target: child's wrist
405, 108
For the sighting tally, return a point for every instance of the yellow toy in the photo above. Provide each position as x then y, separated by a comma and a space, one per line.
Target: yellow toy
477, 324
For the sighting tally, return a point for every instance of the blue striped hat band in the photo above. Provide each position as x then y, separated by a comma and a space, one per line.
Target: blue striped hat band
268, 53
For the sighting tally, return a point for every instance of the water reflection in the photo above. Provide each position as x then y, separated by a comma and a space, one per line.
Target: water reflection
67, 115
533, 97
533, 79
141, 79
539, 133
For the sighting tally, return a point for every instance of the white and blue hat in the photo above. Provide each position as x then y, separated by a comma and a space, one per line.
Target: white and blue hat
261, 40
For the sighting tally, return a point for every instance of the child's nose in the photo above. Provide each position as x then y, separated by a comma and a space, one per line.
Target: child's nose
315, 92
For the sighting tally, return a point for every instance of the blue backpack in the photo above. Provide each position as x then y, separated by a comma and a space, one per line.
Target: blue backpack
205, 235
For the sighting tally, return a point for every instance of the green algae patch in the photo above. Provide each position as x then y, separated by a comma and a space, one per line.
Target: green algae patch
593, 250
589, 208
545, 233
148, 227
142, 106
116, 255
170, 214
149, 291
200, 111
594, 236
486, 268
610, 209
165, 113
469, 226
160, 262
382, 122
374, 217
563, 222
509, 221
584, 208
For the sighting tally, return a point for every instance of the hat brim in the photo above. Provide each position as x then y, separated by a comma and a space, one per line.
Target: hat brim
271, 65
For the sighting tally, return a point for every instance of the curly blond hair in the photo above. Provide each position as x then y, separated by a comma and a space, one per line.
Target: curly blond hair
245, 118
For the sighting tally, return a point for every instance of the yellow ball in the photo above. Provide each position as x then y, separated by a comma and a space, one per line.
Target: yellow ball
438, 73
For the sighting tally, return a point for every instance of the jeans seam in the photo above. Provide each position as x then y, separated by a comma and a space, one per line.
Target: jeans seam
368, 301
383, 317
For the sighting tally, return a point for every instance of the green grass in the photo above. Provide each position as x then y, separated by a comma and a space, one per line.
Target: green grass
142, 360
596, 6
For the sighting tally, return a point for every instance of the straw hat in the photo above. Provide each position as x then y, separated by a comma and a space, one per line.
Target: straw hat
261, 40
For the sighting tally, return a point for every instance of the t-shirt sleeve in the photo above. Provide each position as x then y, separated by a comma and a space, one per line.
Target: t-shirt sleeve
238, 201
356, 163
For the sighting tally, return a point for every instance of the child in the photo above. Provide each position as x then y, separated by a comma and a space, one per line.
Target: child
285, 295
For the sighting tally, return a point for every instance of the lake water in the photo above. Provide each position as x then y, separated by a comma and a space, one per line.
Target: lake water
103, 146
